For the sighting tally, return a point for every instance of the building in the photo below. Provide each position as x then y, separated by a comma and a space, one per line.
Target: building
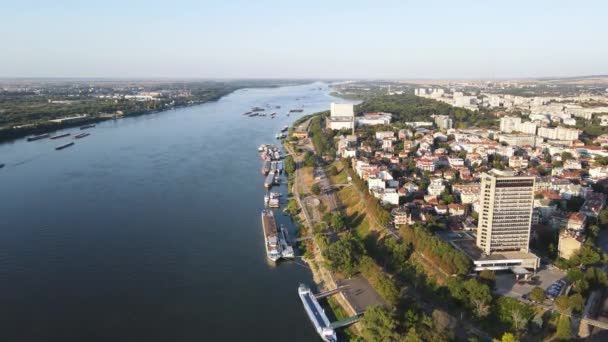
342, 116
373, 119
506, 213
509, 124
443, 122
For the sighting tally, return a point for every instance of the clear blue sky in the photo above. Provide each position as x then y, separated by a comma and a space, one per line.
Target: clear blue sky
310, 39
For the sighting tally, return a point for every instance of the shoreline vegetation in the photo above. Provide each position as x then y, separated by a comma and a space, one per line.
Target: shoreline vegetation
27, 109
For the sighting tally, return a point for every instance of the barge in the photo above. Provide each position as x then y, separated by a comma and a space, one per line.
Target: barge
271, 240
81, 135
269, 182
60, 136
266, 167
87, 126
271, 199
61, 147
297, 110
38, 137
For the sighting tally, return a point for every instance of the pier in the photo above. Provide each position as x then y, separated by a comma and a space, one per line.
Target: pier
317, 316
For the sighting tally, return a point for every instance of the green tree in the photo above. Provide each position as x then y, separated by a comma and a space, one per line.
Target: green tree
337, 222
488, 277
379, 325
562, 303
290, 165
537, 295
507, 337
567, 156
412, 336
564, 331
316, 189
576, 302
344, 255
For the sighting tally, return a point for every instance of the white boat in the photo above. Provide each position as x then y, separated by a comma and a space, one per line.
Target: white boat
271, 240
286, 248
316, 314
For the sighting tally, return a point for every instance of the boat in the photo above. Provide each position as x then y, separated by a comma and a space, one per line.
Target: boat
1, 166
316, 314
261, 148
38, 137
297, 110
271, 199
257, 109
286, 247
60, 136
81, 135
87, 126
277, 107
285, 129
61, 147
271, 240
247, 113
269, 181
266, 167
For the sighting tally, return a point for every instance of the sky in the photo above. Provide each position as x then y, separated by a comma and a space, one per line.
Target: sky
303, 39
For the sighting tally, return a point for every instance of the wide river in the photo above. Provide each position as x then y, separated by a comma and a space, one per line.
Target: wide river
149, 229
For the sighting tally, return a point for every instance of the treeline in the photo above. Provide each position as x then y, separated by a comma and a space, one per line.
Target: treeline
409, 107
439, 252
323, 141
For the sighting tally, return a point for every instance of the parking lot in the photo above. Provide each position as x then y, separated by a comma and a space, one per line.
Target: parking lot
507, 285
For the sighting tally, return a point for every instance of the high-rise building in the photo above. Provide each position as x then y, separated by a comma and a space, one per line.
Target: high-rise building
505, 216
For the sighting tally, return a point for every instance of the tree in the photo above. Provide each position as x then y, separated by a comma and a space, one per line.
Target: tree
316, 189
488, 277
512, 311
379, 325
479, 296
562, 303
576, 302
344, 255
537, 295
337, 222
443, 323
564, 331
566, 156
290, 165
412, 336
507, 337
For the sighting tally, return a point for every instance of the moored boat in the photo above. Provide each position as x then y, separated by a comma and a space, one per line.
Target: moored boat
38, 137
271, 240
61, 147
87, 126
60, 136
81, 135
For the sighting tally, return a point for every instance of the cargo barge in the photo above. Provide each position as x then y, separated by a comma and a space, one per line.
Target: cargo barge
81, 135
61, 147
87, 126
60, 136
297, 110
271, 240
38, 137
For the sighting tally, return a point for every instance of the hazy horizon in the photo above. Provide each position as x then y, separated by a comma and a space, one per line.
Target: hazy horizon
394, 40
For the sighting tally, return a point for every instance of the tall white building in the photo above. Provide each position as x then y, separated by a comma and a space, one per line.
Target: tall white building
509, 124
342, 116
505, 215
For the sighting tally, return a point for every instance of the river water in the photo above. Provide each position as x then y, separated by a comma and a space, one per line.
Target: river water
149, 229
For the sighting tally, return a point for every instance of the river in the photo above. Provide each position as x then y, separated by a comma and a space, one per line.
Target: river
149, 229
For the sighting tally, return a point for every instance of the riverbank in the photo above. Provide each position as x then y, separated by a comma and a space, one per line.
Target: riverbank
21, 131
302, 181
